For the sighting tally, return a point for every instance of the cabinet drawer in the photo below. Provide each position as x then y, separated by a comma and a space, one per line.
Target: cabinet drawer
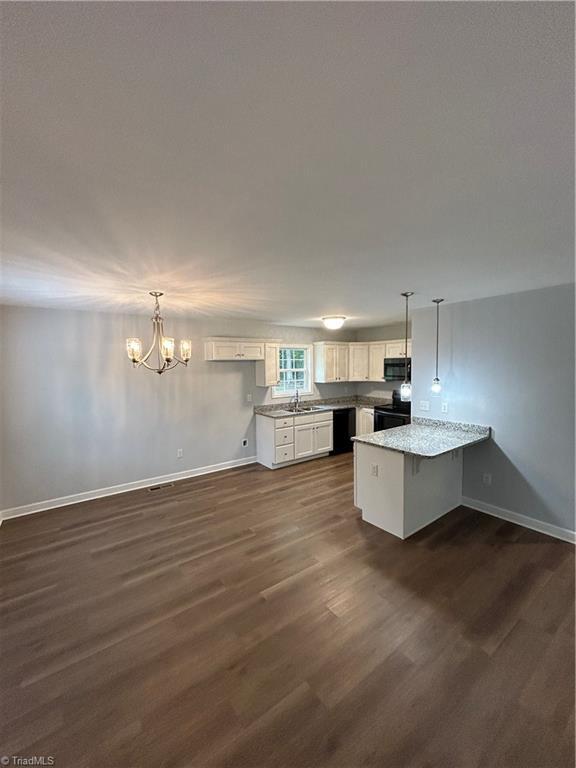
284, 436
284, 453
287, 422
305, 418
323, 416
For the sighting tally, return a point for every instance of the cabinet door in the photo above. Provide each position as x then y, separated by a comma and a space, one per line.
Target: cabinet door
271, 364
251, 350
342, 363
267, 370
366, 421
376, 355
330, 362
358, 370
396, 348
323, 437
303, 441
227, 350
324, 363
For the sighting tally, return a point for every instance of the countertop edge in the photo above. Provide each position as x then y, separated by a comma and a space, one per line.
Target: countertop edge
471, 439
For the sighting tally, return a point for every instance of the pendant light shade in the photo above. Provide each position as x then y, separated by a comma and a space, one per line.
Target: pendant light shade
436, 387
406, 386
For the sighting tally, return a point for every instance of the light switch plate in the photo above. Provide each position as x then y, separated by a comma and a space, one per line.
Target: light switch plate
424, 405
444, 407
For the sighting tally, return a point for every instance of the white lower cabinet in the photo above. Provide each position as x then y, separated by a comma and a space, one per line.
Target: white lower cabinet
284, 453
365, 421
293, 438
323, 437
303, 441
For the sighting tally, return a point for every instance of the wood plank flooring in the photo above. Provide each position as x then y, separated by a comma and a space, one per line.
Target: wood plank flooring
249, 619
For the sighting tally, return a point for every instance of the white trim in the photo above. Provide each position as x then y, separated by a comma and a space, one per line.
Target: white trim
75, 498
307, 369
515, 517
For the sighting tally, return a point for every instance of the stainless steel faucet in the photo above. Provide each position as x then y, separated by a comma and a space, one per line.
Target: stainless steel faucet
295, 402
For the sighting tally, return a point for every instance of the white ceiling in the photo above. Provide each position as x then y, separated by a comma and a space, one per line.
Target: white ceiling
285, 161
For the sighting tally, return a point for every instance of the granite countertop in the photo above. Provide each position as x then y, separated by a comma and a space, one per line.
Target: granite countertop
329, 404
427, 437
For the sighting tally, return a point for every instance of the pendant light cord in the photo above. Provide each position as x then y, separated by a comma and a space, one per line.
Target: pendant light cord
437, 302
406, 344
406, 295
437, 330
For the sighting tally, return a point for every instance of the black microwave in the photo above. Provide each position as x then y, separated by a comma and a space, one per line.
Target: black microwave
396, 368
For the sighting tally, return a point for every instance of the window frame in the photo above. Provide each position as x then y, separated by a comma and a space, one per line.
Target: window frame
308, 366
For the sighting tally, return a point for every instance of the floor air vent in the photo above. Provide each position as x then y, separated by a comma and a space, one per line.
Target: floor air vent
161, 487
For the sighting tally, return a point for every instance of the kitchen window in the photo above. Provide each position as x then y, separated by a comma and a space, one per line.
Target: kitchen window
294, 371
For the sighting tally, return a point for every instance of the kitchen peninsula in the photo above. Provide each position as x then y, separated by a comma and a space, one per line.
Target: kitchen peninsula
407, 477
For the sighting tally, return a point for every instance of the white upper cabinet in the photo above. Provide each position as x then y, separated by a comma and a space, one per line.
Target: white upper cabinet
376, 355
330, 362
396, 348
235, 349
358, 362
268, 370
342, 362
227, 349
252, 350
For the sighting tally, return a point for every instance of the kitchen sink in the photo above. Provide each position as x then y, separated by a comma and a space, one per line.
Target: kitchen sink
306, 408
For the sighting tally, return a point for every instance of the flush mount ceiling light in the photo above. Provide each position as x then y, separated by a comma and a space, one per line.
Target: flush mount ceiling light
436, 387
406, 386
164, 345
334, 322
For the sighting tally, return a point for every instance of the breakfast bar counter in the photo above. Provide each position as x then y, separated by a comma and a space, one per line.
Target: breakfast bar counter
407, 477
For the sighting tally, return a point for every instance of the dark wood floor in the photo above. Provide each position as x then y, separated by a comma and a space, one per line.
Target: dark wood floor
249, 618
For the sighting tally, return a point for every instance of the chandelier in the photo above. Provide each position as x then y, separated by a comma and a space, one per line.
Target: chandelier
163, 345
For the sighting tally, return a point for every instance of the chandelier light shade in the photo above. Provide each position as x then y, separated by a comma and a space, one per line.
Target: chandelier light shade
436, 387
163, 346
406, 386
334, 323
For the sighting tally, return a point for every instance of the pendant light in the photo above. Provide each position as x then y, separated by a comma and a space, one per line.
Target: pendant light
406, 386
436, 387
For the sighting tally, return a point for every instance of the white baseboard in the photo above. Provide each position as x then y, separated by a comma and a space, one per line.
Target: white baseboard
75, 498
515, 517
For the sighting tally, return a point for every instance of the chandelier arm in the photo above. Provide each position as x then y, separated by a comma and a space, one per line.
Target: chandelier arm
154, 343
151, 367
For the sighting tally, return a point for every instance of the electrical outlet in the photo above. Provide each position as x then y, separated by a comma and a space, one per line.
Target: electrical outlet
249, 397
424, 405
374, 470
444, 408
244, 443
487, 478
179, 453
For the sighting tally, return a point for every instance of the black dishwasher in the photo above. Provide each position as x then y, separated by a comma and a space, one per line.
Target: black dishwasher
344, 429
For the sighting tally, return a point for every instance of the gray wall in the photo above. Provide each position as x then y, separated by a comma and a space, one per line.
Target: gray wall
508, 362
77, 417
